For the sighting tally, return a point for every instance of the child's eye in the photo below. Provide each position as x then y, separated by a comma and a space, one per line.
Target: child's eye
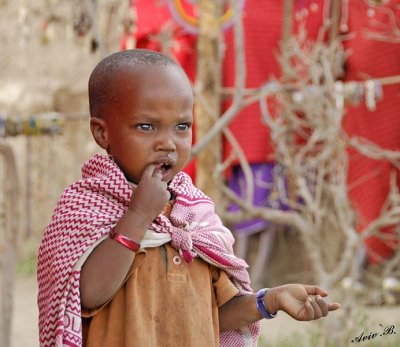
184, 126
145, 127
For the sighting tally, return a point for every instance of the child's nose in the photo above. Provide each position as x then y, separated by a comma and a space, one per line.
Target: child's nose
165, 142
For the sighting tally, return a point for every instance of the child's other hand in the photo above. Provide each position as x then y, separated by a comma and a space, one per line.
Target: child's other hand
151, 194
301, 302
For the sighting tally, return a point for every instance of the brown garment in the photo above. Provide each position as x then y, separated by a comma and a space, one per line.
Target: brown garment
163, 302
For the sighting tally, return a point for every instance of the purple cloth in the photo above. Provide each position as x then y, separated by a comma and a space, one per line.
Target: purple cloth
265, 194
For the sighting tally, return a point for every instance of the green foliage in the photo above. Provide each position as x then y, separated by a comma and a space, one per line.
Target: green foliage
26, 265
27, 257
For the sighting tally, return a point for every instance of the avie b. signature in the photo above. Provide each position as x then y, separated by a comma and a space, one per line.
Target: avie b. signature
387, 330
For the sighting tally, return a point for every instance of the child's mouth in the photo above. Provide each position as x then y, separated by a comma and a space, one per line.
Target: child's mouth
163, 168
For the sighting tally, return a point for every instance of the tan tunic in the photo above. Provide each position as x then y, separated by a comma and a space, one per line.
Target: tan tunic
163, 302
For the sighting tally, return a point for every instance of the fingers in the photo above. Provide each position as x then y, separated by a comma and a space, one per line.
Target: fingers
158, 175
318, 293
306, 302
148, 171
315, 290
309, 314
334, 306
316, 308
323, 306
319, 307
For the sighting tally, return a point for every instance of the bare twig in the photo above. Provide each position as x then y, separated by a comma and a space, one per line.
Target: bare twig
240, 74
371, 150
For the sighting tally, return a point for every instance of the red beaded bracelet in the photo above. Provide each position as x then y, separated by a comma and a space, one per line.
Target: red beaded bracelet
124, 240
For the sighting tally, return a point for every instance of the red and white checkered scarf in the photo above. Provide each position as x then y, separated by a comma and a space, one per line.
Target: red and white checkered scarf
88, 210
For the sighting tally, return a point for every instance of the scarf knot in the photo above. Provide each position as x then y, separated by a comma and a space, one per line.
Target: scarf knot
180, 237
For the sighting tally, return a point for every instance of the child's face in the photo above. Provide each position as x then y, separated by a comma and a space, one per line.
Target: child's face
151, 122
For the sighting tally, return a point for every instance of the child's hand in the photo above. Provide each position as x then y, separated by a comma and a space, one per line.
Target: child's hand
151, 194
301, 302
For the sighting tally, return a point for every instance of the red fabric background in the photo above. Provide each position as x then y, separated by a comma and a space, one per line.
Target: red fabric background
262, 23
368, 179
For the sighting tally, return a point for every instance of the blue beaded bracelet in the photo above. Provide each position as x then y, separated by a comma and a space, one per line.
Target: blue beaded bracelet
261, 306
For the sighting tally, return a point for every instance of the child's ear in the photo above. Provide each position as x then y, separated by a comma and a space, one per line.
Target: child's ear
99, 131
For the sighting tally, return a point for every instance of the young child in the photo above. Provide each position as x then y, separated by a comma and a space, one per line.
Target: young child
134, 254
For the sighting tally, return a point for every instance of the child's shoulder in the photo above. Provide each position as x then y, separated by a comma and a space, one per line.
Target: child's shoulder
184, 188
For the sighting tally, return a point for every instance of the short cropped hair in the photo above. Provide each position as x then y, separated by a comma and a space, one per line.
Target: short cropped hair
103, 75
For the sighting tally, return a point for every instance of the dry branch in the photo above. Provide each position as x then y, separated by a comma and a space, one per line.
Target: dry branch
386, 30
311, 145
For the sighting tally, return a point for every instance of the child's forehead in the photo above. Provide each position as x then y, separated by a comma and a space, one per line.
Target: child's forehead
138, 78
149, 87
142, 73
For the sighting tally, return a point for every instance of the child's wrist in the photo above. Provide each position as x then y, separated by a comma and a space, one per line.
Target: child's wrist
266, 303
124, 240
271, 300
133, 225
140, 220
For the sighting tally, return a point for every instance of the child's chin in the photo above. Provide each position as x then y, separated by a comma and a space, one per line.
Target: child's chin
168, 177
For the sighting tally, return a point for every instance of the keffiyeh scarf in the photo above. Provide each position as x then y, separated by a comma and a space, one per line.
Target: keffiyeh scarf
85, 214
